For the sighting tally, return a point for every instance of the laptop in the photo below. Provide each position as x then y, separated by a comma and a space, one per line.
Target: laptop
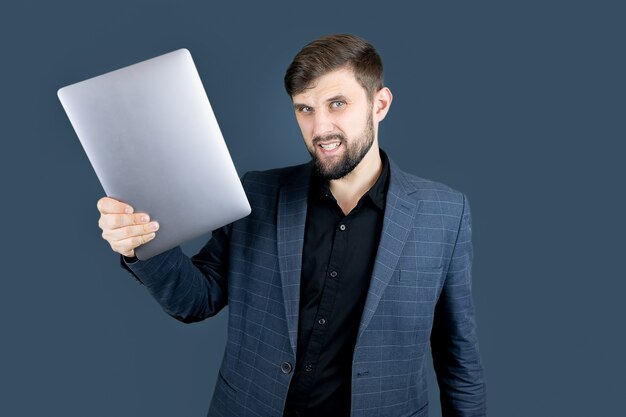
151, 136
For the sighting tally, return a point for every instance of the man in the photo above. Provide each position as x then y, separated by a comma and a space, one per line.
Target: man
344, 272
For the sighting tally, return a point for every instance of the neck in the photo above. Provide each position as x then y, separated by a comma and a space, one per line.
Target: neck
349, 189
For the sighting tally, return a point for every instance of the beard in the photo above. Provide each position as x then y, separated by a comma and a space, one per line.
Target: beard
339, 166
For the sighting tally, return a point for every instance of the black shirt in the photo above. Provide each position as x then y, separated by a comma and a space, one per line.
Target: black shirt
337, 262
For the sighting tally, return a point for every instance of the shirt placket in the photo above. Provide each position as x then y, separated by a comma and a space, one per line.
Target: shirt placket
332, 280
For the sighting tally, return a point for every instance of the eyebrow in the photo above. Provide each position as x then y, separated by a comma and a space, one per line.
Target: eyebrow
339, 97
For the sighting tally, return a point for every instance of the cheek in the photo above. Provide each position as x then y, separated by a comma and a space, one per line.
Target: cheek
353, 125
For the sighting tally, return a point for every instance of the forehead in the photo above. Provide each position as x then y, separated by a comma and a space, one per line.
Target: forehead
335, 83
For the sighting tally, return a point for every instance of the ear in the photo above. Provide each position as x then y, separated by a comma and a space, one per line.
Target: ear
382, 102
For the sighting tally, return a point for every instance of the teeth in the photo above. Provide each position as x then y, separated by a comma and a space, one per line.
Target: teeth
330, 147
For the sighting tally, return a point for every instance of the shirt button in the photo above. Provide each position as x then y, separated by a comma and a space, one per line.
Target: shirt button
285, 367
322, 321
333, 274
308, 367
342, 227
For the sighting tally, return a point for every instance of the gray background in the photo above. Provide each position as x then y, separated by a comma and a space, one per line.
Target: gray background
525, 100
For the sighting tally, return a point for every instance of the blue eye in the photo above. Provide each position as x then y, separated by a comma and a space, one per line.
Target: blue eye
337, 104
305, 109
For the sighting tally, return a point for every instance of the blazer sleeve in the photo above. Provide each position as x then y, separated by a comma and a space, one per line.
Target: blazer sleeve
453, 339
188, 289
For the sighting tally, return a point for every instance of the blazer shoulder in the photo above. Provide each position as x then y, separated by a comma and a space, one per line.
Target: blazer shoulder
427, 189
276, 177
434, 198
263, 187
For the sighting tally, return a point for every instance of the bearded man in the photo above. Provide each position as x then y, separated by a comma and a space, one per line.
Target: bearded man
344, 272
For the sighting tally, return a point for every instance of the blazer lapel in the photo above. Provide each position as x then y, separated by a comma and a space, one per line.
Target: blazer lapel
399, 213
292, 208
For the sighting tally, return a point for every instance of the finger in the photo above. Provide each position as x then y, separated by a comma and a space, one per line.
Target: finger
140, 218
126, 232
108, 205
114, 221
128, 245
109, 222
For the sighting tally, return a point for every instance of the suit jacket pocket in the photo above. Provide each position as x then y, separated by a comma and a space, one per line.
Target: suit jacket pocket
227, 386
225, 401
422, 285
422, 412
424, 274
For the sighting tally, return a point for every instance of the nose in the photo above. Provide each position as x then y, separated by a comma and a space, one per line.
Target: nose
322, 124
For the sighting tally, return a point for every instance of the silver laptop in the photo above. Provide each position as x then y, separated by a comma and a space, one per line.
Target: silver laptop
151, 136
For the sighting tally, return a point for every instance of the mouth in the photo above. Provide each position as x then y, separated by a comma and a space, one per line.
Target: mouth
329, 146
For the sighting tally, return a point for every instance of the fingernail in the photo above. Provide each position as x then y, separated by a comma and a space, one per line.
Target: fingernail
154, 226
129, 210
151, 235
145, 218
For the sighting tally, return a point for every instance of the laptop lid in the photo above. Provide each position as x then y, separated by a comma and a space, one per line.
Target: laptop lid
151, 136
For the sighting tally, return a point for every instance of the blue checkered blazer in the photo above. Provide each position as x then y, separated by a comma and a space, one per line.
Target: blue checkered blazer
420, 292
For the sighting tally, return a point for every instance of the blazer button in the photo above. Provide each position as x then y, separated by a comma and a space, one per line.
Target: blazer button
286, 367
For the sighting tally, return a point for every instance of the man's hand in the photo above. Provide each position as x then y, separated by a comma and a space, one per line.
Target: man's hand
122, 228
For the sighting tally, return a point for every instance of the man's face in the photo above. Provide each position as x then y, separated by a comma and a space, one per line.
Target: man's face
335, 118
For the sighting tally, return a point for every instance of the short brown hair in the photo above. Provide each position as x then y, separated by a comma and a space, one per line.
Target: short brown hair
332, 52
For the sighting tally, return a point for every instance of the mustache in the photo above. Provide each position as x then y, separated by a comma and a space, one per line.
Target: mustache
317, 139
